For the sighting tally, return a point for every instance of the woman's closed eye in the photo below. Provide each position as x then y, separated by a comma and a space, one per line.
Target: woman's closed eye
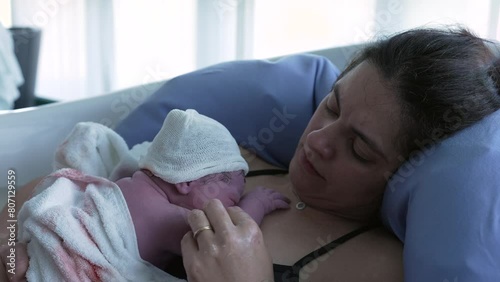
359, 154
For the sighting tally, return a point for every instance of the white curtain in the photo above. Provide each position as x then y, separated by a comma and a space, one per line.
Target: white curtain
5, 14
91, 47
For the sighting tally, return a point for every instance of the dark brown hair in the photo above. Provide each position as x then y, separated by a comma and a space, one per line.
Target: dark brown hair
446, 80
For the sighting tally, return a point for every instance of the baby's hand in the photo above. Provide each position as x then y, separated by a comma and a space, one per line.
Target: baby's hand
261, 201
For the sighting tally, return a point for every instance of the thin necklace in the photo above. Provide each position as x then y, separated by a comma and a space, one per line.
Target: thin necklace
299, 205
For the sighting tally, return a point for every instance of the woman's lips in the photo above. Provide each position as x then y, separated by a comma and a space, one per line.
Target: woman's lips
308, 166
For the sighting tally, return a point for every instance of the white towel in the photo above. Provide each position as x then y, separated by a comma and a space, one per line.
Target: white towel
129, 162
10, 72
78, 228
95, 149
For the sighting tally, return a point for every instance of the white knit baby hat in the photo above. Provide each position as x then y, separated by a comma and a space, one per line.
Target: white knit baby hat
189, 146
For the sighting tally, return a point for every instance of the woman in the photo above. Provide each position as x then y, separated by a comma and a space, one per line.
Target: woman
338, 172
394, 92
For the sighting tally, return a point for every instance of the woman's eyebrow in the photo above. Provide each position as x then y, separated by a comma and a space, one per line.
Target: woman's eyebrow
372, 144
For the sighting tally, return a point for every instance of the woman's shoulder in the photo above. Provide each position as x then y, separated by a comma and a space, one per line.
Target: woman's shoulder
382, 244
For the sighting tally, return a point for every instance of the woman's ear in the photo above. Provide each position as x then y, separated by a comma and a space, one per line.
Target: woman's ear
183, 188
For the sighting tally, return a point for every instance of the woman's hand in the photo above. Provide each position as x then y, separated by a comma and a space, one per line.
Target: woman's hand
232, 249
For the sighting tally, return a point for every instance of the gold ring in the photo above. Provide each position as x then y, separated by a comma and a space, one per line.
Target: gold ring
199, 230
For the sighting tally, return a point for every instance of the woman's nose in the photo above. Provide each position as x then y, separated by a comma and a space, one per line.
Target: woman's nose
321, 142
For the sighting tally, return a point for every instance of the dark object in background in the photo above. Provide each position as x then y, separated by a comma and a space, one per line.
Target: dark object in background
26, 47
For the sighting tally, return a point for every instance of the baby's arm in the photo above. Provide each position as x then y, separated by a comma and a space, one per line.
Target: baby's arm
261, 201
159, 225
171, 225
159, 234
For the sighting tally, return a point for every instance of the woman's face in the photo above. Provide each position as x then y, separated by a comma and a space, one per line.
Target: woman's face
347, 152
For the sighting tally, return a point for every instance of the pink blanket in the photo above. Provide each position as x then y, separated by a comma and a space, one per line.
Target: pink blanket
78, 228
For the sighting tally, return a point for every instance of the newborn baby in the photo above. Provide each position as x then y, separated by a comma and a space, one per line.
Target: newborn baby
79, 226
192, 159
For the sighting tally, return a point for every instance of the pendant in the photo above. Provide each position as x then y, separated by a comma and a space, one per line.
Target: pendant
300, 206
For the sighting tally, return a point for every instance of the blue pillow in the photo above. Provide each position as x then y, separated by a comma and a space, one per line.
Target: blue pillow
265, 105
444, 204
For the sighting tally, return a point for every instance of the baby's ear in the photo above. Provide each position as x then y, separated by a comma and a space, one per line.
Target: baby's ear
183, 188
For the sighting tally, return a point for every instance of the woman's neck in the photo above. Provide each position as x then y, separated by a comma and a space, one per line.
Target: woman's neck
363, 215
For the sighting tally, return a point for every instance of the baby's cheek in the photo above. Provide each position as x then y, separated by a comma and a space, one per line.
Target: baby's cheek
207, 192
198, 201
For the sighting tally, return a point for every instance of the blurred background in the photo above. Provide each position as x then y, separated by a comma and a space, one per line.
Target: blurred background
92, 47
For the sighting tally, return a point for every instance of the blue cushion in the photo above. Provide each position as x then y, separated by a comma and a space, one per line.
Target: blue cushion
444, 204
265, 105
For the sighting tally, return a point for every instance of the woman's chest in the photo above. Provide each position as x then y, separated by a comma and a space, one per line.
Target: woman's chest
291, 234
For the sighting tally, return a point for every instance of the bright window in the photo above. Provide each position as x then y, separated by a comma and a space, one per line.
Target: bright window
291, 26
284, 27
154, 41
94, 47
5, 13
475, 14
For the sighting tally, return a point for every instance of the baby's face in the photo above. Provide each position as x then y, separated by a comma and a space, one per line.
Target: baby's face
226, 186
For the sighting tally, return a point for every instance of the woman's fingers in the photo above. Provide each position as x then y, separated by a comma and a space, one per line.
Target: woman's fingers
218, 217
189, 247
200, 225
239, 217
